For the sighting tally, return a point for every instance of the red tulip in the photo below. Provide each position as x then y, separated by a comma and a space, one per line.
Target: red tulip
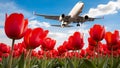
1, 54
112, 38
90, 52
15, 26
16, 53
34, 54
83, 53
92, 42
20, 48
105, 49
69, 43
76, 41
52, 54
72, 54
61, 49
41, 52
0, 59
97, 32
48, 44
4, 48
34, 38
68, 46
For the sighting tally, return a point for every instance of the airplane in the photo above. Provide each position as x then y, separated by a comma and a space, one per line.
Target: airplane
73, 16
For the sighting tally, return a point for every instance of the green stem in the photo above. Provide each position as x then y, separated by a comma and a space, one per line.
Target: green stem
112, 57
94, 56
44, 59
28, 58
11, 54
98, 55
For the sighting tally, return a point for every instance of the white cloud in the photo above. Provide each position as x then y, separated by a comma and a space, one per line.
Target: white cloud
59, 37
36, 23
59, 34
10, 7
63, 35
111, 7
5, 39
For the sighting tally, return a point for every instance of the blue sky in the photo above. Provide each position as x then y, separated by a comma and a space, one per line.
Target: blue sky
110, 9
58, 7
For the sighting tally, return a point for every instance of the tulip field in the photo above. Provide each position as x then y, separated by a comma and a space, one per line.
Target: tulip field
70, 54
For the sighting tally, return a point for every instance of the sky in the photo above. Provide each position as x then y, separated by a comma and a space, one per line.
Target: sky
110, 9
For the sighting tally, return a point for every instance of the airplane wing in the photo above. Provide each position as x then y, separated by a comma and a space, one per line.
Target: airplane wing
60, 25
84, 19
92, 19
48, 16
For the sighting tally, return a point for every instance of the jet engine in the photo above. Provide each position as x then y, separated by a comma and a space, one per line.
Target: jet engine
64, 20
86, 17
63, 24
61, 17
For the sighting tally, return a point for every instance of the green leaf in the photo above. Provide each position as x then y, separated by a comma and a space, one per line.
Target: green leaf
21, 62
49, 65
39, 63
15, 62
103, 64
81, 64
4, 62
70, 63
116, 63
89, 64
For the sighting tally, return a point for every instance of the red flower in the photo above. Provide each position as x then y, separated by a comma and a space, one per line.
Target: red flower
76, 41
68, 46
61, 49
15, 26
48, 44
52, 54
34, 53
112, 39
16, 53
97, 32
0, 59
34, 38
83, 53
20, 48
1, 54
69, 43
90, 52
41, 52
92, 42
4, 48
104, 49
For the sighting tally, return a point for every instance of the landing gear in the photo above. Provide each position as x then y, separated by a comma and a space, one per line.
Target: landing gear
63, 25
78, 24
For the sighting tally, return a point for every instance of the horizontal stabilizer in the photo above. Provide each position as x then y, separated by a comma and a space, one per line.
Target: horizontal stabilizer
60, 26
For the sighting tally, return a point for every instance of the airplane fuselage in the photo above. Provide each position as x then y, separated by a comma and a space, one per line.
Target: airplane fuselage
77, 9
73, 16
